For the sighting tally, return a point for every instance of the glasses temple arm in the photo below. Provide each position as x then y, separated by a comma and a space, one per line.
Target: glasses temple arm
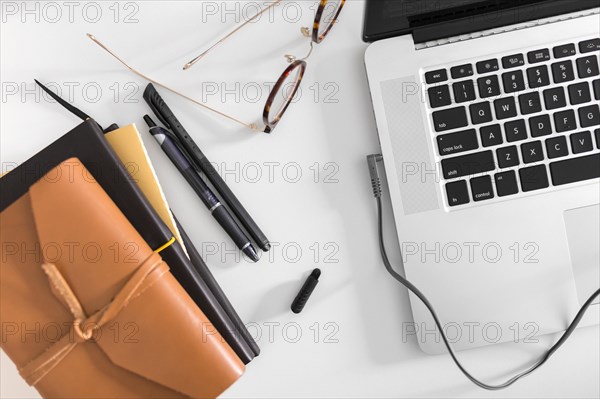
224, 38
99, 43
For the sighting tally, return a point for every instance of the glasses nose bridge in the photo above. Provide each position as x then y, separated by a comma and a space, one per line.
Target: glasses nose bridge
291, 58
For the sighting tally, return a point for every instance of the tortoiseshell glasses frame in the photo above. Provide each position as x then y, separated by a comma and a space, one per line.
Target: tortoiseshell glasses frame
291, 76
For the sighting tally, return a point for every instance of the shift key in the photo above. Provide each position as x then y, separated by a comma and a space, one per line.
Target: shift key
449, 119
468, 165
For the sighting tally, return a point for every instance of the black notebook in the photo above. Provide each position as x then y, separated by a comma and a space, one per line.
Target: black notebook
87, 143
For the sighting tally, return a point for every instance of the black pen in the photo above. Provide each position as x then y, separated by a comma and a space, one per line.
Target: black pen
202, 164
219, 212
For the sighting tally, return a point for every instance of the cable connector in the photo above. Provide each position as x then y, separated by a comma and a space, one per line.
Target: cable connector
373, 161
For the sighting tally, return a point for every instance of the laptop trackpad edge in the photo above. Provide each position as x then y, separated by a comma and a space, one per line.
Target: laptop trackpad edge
583, 234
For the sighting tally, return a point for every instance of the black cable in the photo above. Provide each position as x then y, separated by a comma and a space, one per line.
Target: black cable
376, 184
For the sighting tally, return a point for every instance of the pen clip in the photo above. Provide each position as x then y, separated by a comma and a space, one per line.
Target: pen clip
162, 130
183, 151
173, 138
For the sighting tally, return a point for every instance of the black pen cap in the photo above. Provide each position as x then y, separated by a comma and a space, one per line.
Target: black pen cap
306, 291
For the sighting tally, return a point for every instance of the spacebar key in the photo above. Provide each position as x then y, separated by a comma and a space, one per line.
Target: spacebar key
575, 170
468, 165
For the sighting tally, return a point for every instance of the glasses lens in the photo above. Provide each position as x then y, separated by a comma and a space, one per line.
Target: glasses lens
284, 92
330, 12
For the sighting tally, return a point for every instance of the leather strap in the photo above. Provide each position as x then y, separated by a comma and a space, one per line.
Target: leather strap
84, 327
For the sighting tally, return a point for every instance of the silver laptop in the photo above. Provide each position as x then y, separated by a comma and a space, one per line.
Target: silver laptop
489, 124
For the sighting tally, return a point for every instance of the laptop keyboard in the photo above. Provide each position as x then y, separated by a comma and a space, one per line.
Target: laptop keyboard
517, 123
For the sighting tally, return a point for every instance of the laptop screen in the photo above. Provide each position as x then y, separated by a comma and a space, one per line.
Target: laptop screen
388, 18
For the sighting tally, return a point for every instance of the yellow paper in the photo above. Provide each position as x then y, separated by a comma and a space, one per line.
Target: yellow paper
128, 145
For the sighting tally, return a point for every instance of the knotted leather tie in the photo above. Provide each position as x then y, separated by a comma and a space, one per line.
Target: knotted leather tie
83, 327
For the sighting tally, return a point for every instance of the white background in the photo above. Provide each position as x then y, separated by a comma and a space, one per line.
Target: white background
307, 185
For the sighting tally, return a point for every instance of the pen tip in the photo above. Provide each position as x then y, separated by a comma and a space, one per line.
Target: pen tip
149, 121
250, 252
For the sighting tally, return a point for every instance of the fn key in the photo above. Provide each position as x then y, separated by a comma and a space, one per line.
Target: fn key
458, 194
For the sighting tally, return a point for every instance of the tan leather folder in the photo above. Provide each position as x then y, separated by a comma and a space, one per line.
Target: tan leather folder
88, 310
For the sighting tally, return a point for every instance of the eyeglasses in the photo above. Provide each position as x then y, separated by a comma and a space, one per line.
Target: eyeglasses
287, 85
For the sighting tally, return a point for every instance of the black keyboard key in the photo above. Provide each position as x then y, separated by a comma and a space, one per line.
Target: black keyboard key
506, 183
589, 116
515, 130
487, 66
538, 56
581, 142
532, 152
597, 134
538, 76
439, 96
481, 113
436, 76
505, 108
461, 71
575, 170
563, 71
468, 165
555, 98
588, 46
597, 89
458, 193
513, 81
507, 157
587, 67
540, 126
481, 188
534, 178
513, 61
491, 135
454, 143
489, 86
564, 51
579, 93
556, 147
448, 119
530, 103
464, 91
565, 121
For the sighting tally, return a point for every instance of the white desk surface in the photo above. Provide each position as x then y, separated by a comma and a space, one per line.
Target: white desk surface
307, 185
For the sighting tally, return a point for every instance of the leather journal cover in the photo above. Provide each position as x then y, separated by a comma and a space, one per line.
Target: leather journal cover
97, 314
128, 145
86, 142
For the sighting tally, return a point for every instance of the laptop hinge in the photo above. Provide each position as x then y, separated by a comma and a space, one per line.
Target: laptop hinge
504, 29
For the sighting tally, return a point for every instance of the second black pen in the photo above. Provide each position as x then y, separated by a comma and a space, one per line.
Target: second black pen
219, 212
202, 164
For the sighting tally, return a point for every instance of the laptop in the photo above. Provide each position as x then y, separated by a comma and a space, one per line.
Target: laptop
489, 125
